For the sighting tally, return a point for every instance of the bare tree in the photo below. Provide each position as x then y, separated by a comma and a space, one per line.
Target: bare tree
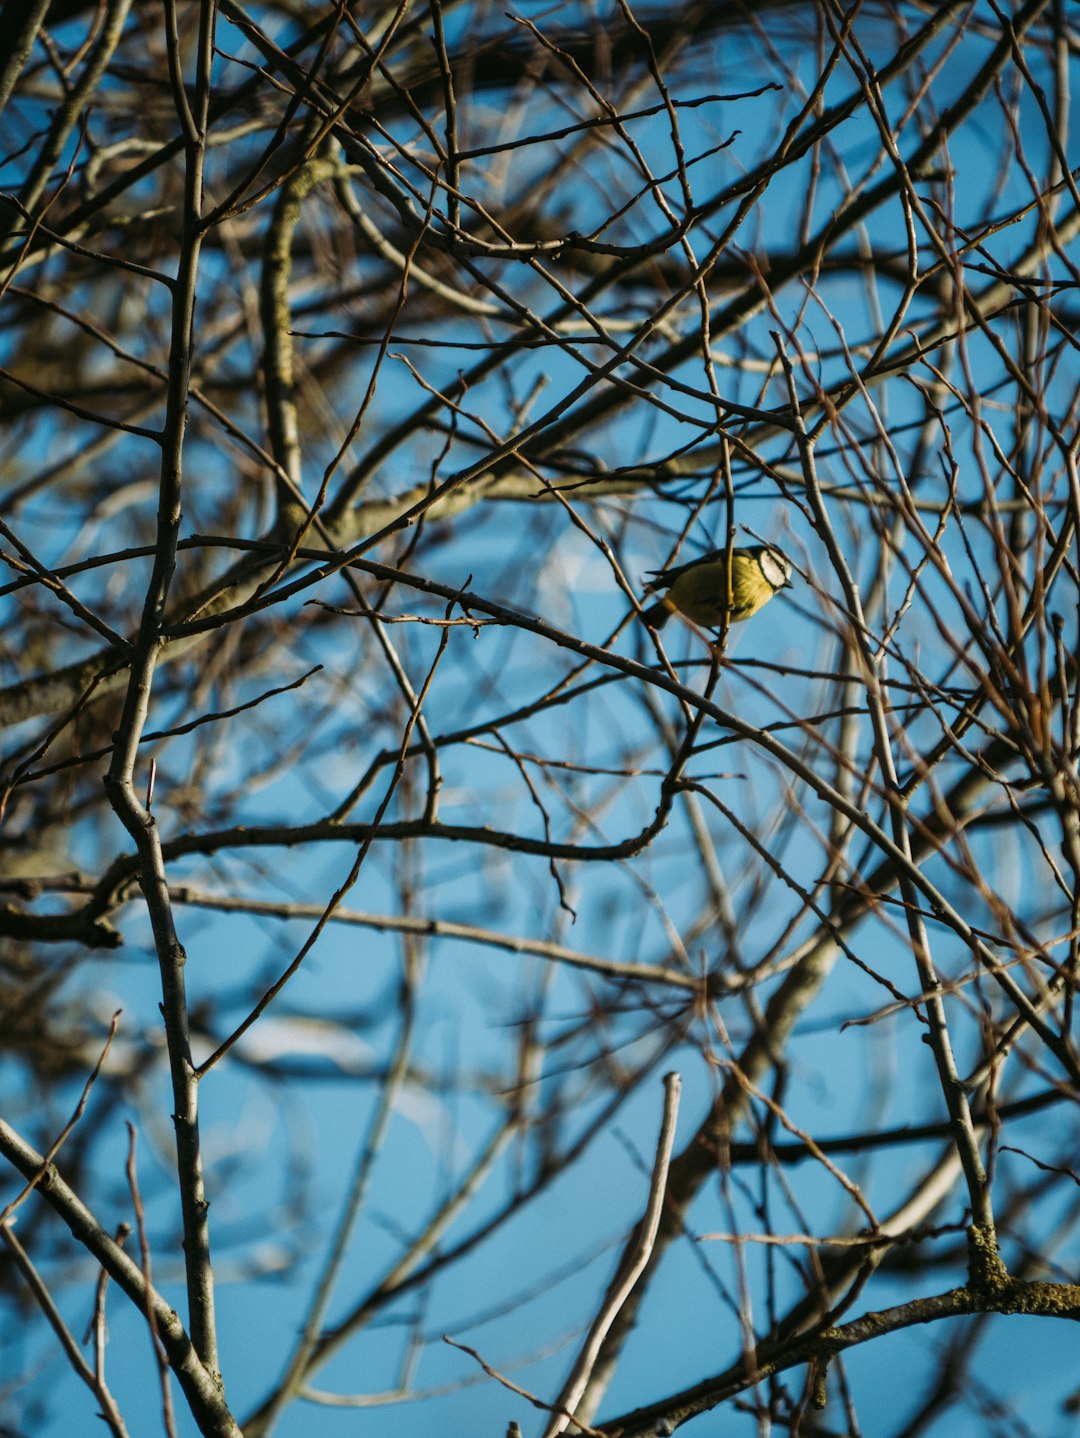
366, 858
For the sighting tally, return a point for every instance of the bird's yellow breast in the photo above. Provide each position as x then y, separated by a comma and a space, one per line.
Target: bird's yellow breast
701, 592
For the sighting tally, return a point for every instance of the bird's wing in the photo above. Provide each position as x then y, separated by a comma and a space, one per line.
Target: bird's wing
665, 578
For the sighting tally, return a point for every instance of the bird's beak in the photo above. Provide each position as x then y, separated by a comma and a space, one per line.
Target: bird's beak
788, 583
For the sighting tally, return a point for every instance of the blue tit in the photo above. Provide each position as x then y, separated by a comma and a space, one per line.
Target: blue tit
698, 590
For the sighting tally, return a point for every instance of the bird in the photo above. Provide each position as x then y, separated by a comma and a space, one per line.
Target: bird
699, 590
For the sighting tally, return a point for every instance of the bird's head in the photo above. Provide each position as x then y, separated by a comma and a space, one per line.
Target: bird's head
775, 566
